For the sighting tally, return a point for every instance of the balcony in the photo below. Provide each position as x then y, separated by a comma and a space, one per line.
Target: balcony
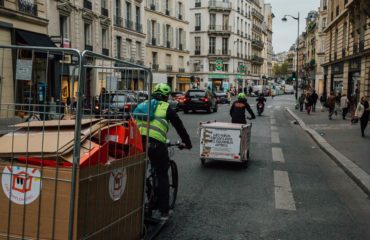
88, 47
105, 51
104, 12
154, 41
219, 29
152, 7
118, 21
256, 28
140, 62
179, 16
181, 70
197, 52
87, 4
257, 15
219, 6
155, 66
139, 27
169, 68
26, 7
198, 4
197, 28
167, 12
247, 36
181, 46
257, 60
168, 44
257, 44
224, 52
129, 24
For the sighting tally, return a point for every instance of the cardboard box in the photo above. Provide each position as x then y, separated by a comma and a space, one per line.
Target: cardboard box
35, 199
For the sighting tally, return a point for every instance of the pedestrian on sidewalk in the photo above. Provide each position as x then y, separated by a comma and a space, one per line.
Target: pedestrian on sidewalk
309, 102
330, 103
363, 113
323, 99
314, 100
301, 102
344, 105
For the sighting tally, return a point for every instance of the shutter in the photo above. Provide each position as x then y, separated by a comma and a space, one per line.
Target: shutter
177, 9
158, 34
171, 37
184, 40
164, 36
183, 12
177, 38
149, 31
164, 6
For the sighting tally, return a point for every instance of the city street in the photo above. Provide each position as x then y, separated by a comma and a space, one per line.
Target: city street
290, 190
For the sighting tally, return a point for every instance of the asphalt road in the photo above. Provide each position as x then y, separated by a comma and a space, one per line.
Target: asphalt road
290, 190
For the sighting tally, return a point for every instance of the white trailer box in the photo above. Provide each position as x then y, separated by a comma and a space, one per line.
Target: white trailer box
224, 141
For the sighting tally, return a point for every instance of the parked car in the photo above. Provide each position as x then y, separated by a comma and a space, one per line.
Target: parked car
119, 103
180, 98
141, 96
200, 100
257, 89
221, 97
289, 89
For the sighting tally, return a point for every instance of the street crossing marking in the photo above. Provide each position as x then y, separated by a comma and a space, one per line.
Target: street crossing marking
275, 137
277, 155
283, 192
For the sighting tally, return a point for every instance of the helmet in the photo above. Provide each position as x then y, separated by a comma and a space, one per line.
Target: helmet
162, 89
242, 96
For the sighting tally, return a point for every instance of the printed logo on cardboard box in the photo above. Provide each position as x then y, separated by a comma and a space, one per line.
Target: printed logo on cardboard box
117, 183
21, 185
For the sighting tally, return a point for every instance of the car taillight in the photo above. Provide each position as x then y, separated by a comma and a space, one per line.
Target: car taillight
187, 99
127, 107
204, 99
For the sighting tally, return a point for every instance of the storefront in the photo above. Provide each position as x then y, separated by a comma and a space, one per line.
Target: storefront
183, 83
336, 84
216, 81
354, 75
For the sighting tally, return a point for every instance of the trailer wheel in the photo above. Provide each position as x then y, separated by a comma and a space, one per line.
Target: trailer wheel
203, 161
244, 163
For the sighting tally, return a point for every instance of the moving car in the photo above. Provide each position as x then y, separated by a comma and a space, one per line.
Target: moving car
200, 100
180, 98
119, 103
221, 97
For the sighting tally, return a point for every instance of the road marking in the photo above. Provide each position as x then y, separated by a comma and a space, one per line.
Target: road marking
273, 121
274, 128
277, 107
283, 192
269, 106
275, 137
277, 155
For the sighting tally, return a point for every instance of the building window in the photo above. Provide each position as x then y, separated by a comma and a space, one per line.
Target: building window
119, 43
128, 11
87, 35
181, 62
129, 49
337, 11
212, 21
180, 11
197, 45
225, 46
118, 8
198, 21
198, 3
104, 36
212, 45
64, 27
138, 50
155, 58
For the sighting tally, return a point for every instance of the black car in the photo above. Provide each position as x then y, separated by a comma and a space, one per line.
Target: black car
222, 97
116, 105
200, 100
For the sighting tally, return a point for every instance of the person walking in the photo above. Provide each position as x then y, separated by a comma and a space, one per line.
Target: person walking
344, 105
309, 102
330, 103
301, 102
363, 113
315, 97
323, 99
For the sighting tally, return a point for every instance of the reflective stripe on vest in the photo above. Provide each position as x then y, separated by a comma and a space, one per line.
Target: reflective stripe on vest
159, 126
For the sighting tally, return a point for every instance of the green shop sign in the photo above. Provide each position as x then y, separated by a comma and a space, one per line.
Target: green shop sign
242, 68
219, 64
218, 75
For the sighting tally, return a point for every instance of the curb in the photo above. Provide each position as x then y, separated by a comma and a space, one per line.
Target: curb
350, 168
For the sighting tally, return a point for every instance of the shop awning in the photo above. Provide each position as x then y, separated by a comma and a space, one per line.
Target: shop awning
33, 39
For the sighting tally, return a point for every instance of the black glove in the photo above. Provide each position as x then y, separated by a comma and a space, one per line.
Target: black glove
185, 146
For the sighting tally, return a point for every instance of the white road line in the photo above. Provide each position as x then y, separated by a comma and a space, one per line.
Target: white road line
273, 128
277, 107
283, 192
277, 155
269, 106
275, 137
273, 121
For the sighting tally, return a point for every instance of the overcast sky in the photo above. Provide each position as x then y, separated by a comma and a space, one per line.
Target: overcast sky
285, 33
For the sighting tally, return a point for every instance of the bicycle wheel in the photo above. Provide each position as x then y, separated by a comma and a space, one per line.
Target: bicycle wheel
151, 199
174, 183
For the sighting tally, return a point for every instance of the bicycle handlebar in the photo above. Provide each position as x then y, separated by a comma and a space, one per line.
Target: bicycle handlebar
178, 144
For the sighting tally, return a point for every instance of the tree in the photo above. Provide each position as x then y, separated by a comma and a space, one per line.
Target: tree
280, 70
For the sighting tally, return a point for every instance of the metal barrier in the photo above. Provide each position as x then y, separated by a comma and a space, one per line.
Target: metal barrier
72, 160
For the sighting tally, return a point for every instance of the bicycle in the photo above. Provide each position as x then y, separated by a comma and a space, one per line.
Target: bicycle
151, 182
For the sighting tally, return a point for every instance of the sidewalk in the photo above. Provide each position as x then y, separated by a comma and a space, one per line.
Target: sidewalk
341, 140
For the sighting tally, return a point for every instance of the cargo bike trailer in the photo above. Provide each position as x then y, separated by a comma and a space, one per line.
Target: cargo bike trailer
222, 141
68, 171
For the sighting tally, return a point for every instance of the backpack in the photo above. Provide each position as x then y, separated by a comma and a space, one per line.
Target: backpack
141, 111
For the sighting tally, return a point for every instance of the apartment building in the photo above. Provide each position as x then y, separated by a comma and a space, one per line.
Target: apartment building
267, 40
220, 39
22, 23
257, 41
167, 38
347, 55
320, 46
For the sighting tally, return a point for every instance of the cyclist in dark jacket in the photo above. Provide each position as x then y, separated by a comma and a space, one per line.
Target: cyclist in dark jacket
157, 149
237, 110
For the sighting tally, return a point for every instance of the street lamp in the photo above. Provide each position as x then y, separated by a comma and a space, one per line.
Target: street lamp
284, 19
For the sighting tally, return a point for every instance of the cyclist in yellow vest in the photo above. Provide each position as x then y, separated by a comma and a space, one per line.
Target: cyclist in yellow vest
157, 150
